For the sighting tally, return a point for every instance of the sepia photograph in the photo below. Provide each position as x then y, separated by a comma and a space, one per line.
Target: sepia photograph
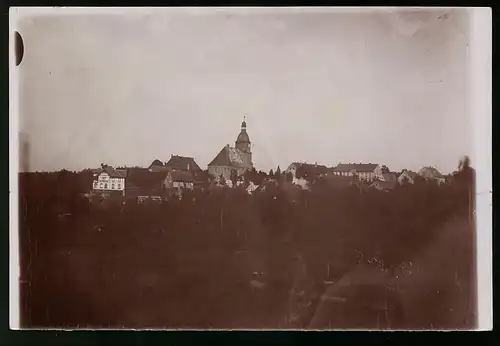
250, 169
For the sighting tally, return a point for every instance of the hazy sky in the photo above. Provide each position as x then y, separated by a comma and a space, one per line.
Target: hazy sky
388, 88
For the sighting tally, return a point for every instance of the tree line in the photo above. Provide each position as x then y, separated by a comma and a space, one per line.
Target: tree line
188, 263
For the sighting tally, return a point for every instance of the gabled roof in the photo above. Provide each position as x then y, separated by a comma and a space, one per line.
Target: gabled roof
142, 178
228, 156
184, 176
310, 168
113, 173
389, 177
182, 163
358, 167
410, 174
156, 163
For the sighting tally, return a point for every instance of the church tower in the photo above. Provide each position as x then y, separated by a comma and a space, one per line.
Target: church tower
243, 144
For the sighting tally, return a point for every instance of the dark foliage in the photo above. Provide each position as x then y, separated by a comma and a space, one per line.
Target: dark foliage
189, 262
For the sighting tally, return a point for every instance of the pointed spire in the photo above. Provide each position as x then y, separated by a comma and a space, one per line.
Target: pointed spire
244, 123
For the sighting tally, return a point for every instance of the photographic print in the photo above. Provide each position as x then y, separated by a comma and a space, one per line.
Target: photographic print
248, 168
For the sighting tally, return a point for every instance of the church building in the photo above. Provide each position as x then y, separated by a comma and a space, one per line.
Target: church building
238, 157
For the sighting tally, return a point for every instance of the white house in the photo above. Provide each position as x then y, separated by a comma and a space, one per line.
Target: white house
364, 171
107, 179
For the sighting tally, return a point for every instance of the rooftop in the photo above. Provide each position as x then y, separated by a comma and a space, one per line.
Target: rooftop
228, 156
113, 173
182, 163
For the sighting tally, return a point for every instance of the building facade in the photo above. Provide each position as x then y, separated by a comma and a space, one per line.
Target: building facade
363, 171
237, 158
179, 180
109, 180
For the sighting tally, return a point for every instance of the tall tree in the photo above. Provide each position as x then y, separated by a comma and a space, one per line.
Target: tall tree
271, 174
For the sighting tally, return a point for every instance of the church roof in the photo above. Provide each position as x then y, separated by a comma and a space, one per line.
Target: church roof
182, 163
228, 156
243, 137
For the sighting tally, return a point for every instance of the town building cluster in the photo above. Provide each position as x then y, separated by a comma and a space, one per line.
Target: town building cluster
182, 172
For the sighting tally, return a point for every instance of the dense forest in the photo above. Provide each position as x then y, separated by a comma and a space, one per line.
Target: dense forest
225, 259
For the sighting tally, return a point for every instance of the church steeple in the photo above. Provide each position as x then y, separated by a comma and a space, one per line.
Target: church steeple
243, 144
243, 141
244, 124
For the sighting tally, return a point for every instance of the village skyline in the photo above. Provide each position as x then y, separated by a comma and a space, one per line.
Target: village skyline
387, 87
246, 168
25, 149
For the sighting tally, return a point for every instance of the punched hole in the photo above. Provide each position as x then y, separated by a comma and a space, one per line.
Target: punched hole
19, 48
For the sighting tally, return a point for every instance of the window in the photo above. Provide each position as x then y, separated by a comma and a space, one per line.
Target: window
112, 186
100, 185
106, 186
119, 186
